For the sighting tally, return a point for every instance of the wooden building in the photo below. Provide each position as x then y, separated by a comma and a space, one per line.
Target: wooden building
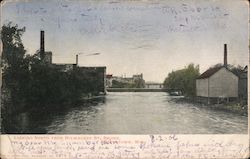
217, 84
243, 84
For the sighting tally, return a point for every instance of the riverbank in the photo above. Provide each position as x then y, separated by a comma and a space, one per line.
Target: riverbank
233, 107
41, 112
9, 111
130, 113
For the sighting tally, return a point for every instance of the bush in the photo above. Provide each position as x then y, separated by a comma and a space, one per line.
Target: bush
184, 79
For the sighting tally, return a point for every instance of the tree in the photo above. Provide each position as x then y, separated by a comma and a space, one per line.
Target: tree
183, 79
237, 70
13, 49
15, 72
29, 84
14, 66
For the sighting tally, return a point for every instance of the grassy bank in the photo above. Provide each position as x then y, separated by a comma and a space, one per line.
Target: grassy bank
233, 107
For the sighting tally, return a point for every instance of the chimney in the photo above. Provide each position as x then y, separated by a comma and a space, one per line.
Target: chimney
76, 60
42, 50
225, 55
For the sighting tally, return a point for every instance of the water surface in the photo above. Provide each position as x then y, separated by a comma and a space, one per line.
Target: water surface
135, 113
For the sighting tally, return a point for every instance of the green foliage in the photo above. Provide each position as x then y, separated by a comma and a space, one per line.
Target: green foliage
14, 66
183, 79
31, 84
237, 70
13, 49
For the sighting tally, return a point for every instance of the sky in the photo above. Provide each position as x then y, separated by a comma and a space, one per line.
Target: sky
153, 37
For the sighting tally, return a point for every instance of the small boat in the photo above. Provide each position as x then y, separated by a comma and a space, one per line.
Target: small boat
175, 93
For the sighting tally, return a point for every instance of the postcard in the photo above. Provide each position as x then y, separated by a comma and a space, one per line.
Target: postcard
124, 79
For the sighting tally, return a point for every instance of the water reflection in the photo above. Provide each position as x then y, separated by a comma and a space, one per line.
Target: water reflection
133, 113
40, 122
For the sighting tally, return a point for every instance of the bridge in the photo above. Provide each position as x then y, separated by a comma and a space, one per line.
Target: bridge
141, 90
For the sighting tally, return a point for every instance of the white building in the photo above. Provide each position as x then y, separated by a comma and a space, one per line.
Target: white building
110, 78
216, 84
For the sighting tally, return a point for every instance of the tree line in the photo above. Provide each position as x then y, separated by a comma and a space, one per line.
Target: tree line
183, 79
29, 84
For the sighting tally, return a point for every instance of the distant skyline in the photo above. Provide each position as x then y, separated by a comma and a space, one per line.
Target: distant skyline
133, 37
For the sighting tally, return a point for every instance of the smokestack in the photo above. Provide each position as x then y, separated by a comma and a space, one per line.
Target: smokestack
42, 50
76, 60
225, 55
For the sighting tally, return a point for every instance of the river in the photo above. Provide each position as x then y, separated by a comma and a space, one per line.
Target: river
134, 113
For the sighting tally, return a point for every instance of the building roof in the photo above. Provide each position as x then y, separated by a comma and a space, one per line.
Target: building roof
245, 68
209, 72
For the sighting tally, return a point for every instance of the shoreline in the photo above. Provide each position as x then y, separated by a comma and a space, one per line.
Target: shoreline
232, 107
